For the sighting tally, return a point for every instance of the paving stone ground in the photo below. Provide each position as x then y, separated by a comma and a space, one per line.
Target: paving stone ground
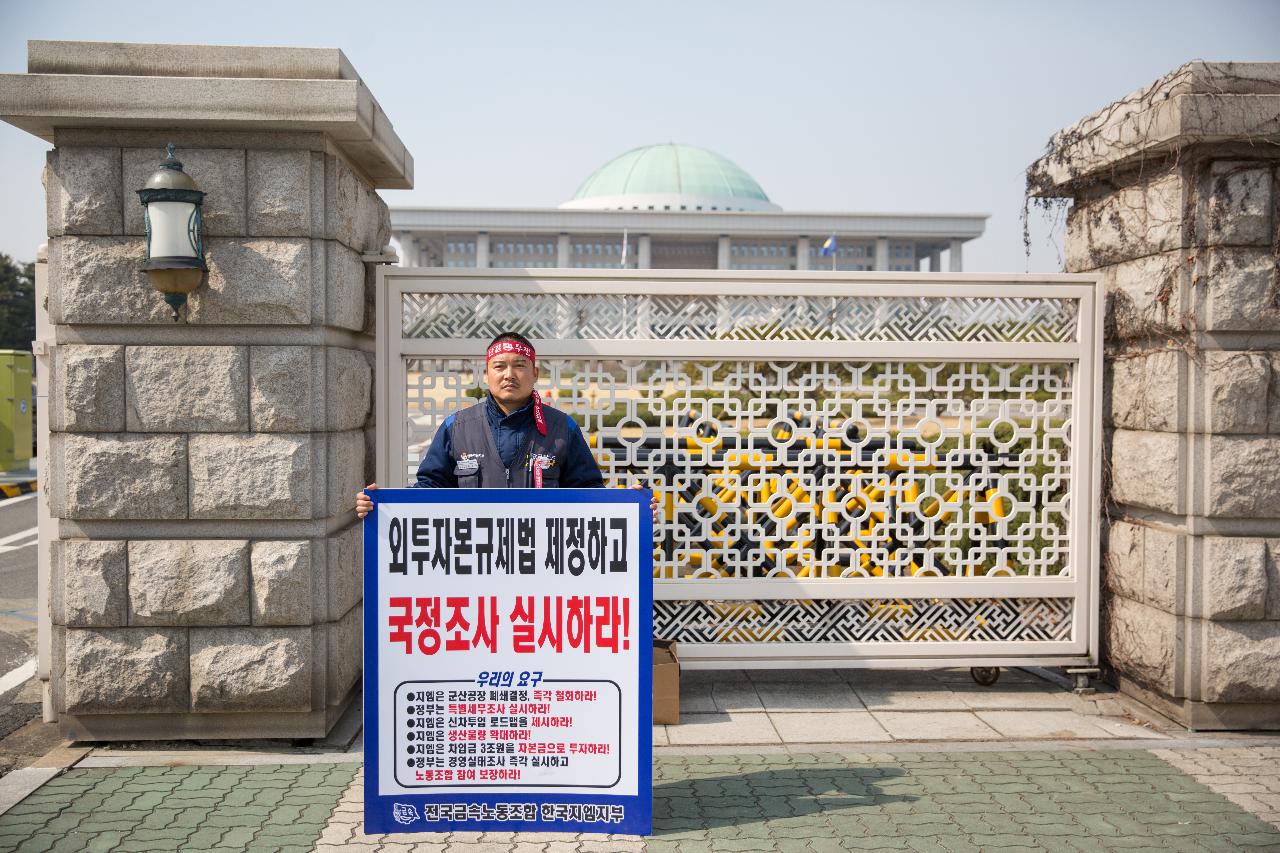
1247, 776
1069, 800
268, 808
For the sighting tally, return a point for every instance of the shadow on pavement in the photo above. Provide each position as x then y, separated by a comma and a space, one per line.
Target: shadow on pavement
757, 797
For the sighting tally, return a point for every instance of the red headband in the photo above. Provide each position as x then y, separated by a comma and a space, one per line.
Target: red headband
510, 346
517, 348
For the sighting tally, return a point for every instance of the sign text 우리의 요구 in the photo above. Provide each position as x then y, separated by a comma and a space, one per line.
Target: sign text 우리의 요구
508, 661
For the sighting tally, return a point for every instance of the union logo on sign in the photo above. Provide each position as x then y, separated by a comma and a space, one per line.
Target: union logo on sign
404, 813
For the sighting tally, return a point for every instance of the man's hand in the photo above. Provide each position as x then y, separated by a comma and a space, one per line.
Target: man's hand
653, 503
364, 504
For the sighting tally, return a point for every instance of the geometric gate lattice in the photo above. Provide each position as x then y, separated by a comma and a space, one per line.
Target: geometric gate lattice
900, 620
879, 475
818, 469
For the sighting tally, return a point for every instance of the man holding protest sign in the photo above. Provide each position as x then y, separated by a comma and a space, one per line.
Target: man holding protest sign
509, 440
507, 630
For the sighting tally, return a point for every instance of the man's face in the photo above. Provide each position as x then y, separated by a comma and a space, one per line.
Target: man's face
510, 378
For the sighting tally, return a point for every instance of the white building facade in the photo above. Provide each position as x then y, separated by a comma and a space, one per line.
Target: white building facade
678, 207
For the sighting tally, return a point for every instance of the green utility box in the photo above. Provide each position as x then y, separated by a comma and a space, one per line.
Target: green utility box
15, 408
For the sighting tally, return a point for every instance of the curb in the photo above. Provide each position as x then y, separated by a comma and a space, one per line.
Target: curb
22, 487
20, 784
25, 781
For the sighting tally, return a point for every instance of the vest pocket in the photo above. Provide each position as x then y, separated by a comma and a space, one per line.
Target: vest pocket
468, 472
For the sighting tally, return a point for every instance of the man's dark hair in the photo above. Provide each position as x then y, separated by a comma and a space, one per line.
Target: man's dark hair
511, 336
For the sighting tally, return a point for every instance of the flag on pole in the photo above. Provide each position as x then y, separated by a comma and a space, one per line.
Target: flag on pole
829, 247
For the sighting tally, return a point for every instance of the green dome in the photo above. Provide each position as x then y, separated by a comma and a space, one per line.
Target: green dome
670, 177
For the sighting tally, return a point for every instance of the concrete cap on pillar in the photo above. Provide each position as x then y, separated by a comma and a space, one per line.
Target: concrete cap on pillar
73, 84
1199, 102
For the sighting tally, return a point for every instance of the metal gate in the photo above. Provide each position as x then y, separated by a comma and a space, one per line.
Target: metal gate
856, 469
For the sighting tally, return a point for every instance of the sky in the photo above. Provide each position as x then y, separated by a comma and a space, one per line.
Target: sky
911, 105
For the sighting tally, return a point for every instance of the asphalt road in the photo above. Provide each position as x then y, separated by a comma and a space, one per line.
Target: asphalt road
17, 581
19, 704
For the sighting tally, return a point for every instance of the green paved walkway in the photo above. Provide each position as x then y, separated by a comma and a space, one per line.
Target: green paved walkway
1062, 800
268, 808
944, 801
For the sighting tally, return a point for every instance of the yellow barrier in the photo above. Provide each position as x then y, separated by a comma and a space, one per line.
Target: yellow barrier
784, 510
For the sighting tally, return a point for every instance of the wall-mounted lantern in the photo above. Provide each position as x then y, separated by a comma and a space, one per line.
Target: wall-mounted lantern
175, 232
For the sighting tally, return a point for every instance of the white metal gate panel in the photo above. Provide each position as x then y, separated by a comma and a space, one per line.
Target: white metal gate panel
856, 469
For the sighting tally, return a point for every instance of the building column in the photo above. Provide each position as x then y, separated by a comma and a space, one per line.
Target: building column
644, 253
722, 253
802, 253
882, 253
955, 253
482, 250
935, 260
245, 496
562, 251
1193, 491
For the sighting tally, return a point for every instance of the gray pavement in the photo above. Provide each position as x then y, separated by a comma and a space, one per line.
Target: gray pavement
860, 706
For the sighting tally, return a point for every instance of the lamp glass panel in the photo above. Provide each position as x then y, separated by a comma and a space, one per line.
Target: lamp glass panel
170, 237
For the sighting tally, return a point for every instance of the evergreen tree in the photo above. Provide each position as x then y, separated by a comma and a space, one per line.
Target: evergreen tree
17, 304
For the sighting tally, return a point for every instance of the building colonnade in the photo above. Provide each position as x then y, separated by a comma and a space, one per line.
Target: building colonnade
880, 254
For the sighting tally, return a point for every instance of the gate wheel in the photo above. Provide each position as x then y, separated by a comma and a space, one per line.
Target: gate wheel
985, 675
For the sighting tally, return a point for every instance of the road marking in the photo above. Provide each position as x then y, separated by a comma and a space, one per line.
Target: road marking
7, 502
21, 534
5, 549
24, 615
17, 676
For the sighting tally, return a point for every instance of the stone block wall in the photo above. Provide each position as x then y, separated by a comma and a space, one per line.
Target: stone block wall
1189, 254
206, 580
1179, 210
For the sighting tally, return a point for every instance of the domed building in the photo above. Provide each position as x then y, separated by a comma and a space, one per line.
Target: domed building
670, 177
672, 206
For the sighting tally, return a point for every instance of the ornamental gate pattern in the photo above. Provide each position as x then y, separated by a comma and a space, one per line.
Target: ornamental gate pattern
853, 470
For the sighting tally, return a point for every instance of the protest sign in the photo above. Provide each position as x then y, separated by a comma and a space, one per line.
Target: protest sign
508, 655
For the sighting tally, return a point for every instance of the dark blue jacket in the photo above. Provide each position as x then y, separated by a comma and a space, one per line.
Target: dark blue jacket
510, 432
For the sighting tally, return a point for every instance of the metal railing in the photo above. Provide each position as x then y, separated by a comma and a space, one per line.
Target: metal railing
855, 469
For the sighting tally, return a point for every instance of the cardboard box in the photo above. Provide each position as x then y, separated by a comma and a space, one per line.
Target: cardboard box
666, 683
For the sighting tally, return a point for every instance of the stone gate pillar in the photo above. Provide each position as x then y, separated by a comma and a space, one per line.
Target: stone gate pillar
1176, 191
205, 577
